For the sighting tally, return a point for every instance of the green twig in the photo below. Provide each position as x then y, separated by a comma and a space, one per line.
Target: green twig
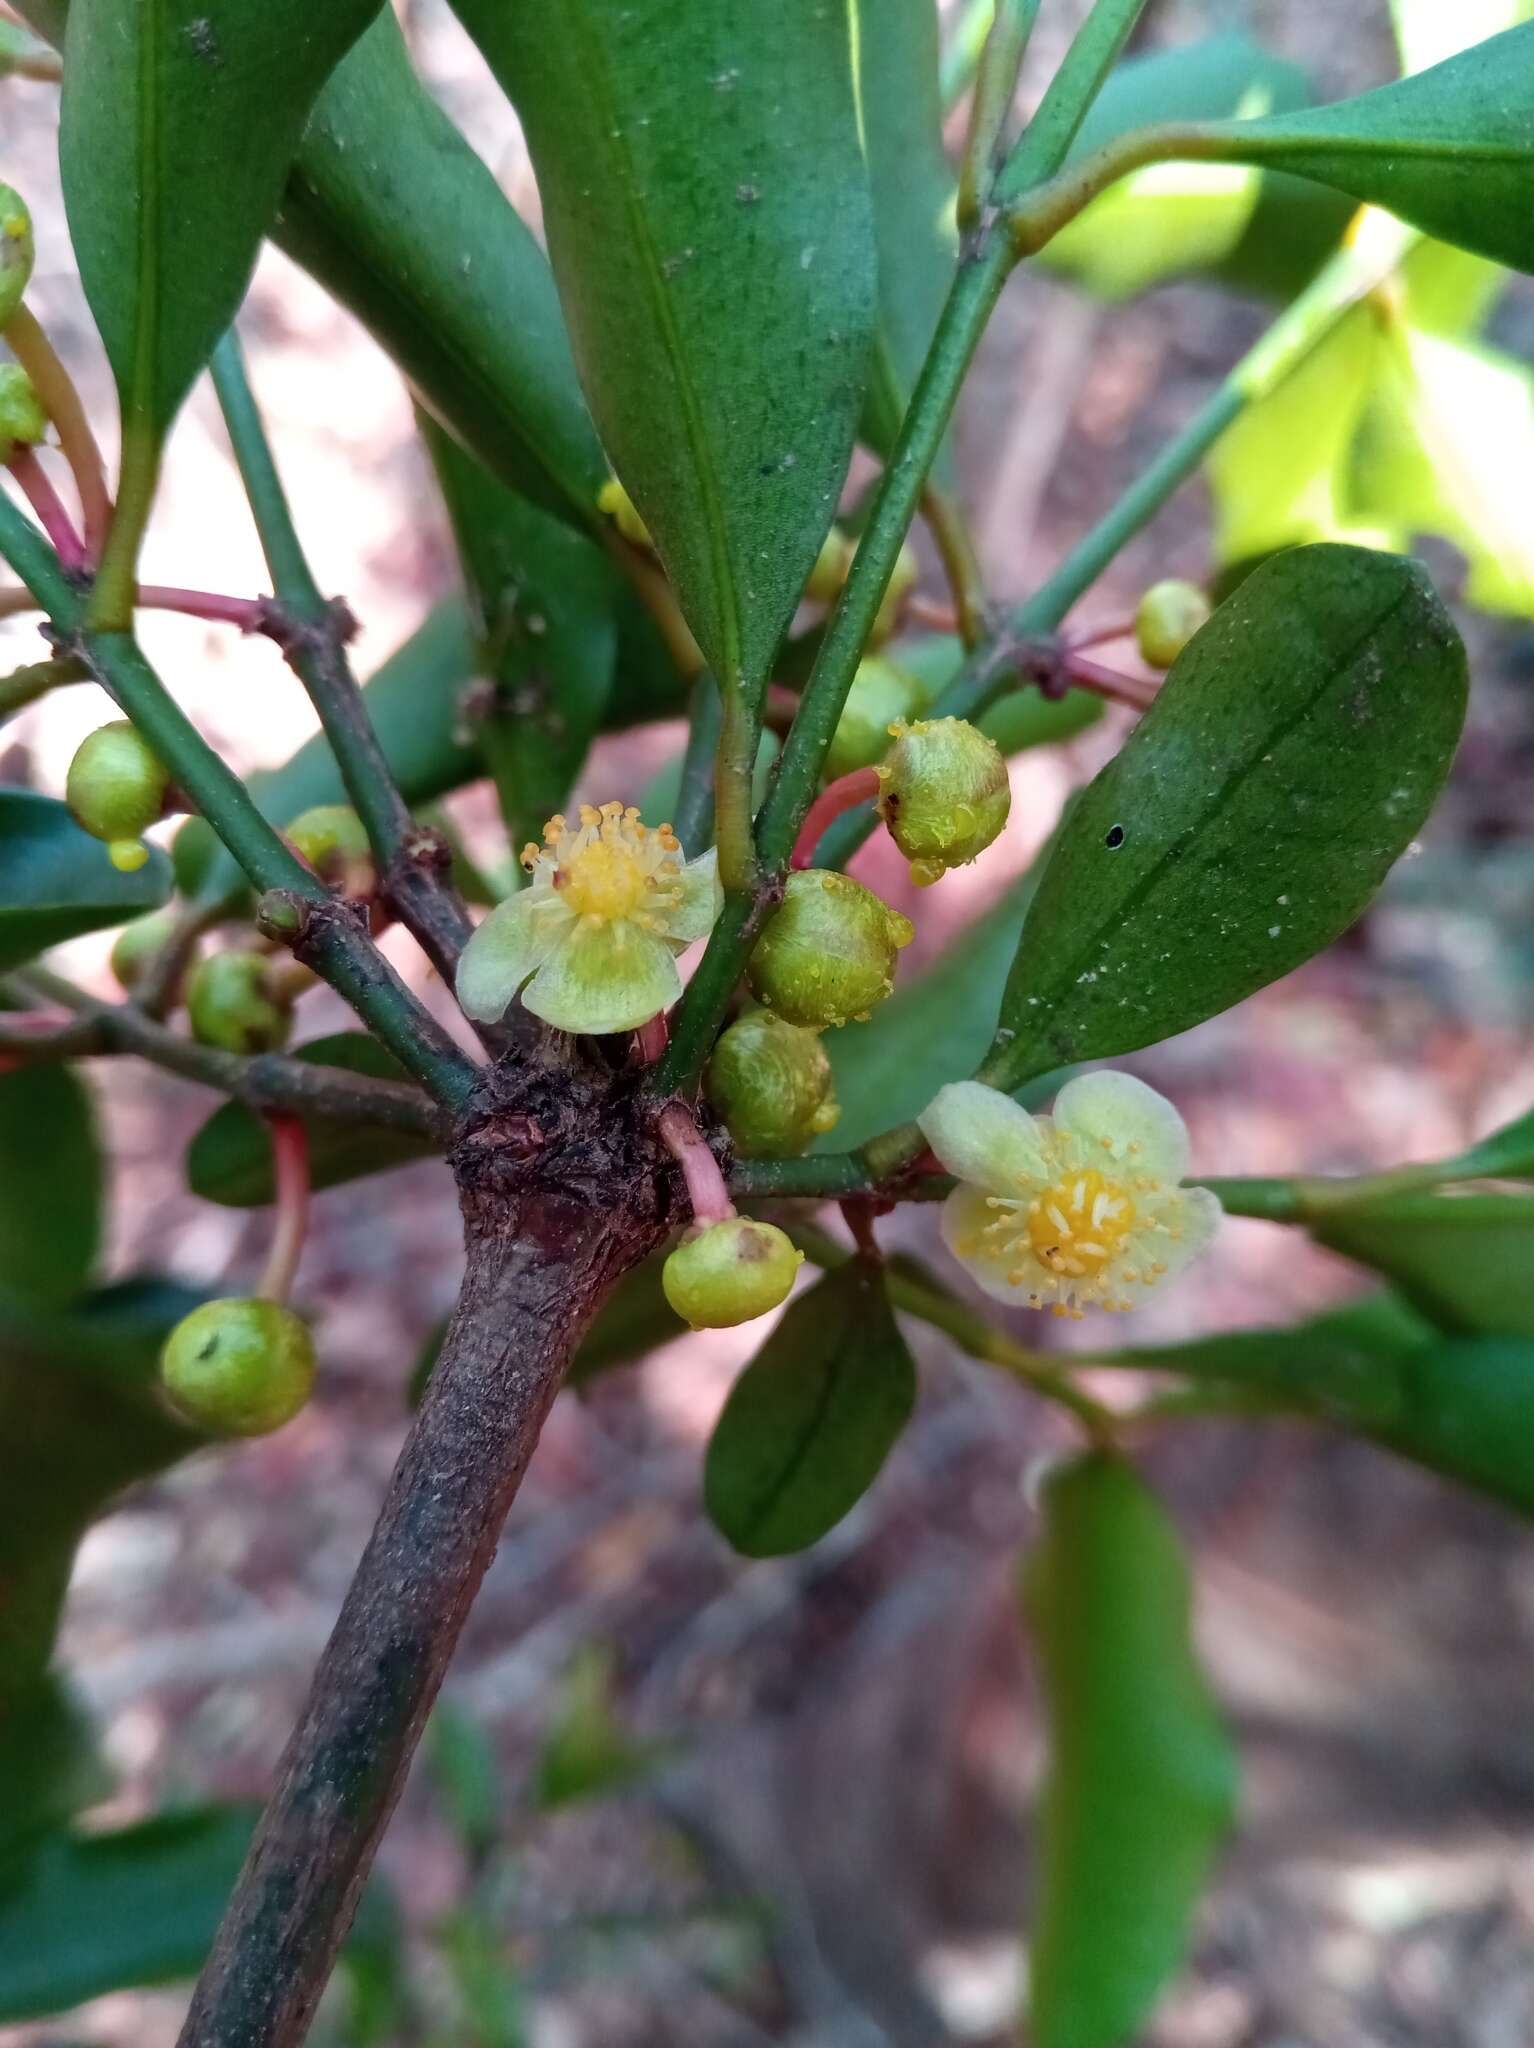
963, 51
1046, 140
995, 89
35, 679
961, 563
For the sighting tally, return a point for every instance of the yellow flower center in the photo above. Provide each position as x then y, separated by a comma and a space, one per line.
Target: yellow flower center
1077, 1225
611, 867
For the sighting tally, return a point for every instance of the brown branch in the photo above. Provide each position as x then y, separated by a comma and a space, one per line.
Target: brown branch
563, 1189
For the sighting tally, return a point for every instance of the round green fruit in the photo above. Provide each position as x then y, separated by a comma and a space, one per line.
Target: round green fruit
882, 694
15, 250
830, 570
945, 795
828, 950
238, 1367
771, 1082
228, 1004
730, 1273
1169, 615
23, 423
116, 789
137, 944
331, 838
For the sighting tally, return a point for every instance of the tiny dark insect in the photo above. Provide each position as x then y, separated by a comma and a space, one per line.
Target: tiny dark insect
1115, 838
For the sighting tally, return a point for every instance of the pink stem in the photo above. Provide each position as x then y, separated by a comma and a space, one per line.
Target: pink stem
650, 1039
290, 1175
1099, 636
248, 613
1107, 682
700, 1169
49, 507
845, 794
932, 613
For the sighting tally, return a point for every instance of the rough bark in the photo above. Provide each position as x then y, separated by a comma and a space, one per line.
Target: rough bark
563, 1188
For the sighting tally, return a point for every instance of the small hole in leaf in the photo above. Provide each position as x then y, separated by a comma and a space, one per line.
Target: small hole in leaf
1115, 838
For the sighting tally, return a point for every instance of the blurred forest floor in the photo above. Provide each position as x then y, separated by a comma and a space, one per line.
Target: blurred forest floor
836, 1851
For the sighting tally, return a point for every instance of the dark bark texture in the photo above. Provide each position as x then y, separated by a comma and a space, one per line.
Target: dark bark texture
563, 1188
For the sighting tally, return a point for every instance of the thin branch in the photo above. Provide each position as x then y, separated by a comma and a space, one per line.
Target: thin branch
62, 403
52, 514
35, 679
961, 564
290, 1197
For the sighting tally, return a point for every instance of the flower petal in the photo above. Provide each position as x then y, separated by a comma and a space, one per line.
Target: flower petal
965, 1215
512, 943
1194, 1215
984, 1137
702, 900
1116, 1112
604, 977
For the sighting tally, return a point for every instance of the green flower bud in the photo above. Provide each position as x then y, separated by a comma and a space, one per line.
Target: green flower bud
238, 1367
116, 789
192, 853
771, 1082
331, 838
828, 952
891, 607
945, 795
15, 250
615, 501
137, 944
228, 1004
730, 1273
881, 694
1168, 616
830, 570
23, 423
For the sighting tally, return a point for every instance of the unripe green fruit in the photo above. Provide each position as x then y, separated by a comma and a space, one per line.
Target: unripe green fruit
730, 1273
116, 789
882, 693
228, 1004
620, 508
828, 951
137, 944
945, 795
830, 570
15, 250
331, 838
892, 605
238, 1367
771, 1082
23, 423
1168, 616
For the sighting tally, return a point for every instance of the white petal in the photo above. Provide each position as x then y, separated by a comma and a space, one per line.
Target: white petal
702, 900
512, 943
604, 977
984, 1137
1193, 1213
1137, 1123
965, 1214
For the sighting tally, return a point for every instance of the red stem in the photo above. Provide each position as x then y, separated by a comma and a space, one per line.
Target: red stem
1099, 636
845, 794
650, 1039
49, 507
248, 613
290, 1176
1107, 682
706, 1190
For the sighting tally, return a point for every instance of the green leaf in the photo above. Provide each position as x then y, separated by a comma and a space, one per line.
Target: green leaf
1464, 1260
1289, 758
1448, 149
587, 1753
912, 184
1427, 32
49, 1766
177, 124
87, 1914
709, 223
393, 212
56, 881
1506, 1153
230, 1158
546, 607
1140, 1784
51, 1173
813, 1417
1467, 1411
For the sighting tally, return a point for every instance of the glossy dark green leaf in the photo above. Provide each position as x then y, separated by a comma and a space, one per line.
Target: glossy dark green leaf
1288, 760
230, 1158
177, 124
1448, 149
813, 1417
710, 228
56, 881
397, 217
1465, 1260
87, 1914
51, 1174
912, 183
545, 604
1140, 1784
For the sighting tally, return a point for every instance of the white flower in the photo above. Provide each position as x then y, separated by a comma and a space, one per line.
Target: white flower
591, 942
1070, 1210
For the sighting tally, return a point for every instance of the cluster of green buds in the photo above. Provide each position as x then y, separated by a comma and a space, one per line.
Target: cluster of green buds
239, 1001
332, 840
238, 1367
116, 789
827, 953
944, 794
1168, 616
730, 1271
16, 251
770, 1081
